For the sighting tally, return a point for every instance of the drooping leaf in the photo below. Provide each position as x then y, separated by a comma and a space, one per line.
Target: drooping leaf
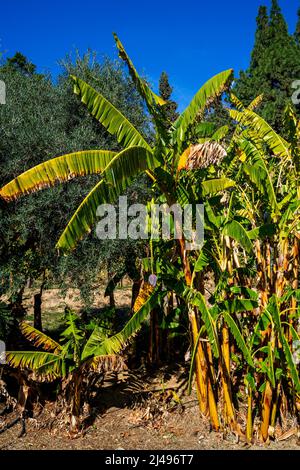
205, 130
182, 195
266, 230
240, 305
263, 130
273, 310
58, 169
246, 291
143, 295
291, 364
258, 172
215, 220
214, 186
220, 133
116, 178
195, 349
39, 339
236, 231
183, 159
114, 281
196, 299
239, 338
201, 263
262, 323
46, 365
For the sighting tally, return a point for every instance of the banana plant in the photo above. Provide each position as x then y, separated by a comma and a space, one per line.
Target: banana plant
266, 201
250, 189
252, 241
117, 169
76, 357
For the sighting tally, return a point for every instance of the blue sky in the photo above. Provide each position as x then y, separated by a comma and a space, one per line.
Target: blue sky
191, 39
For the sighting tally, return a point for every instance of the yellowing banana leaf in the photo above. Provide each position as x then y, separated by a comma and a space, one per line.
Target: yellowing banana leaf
107, 363
237, 103
240, 106
256, 102
258, 172
144, 293
47, 365
183, 159
39, 339
58, 169
264, 131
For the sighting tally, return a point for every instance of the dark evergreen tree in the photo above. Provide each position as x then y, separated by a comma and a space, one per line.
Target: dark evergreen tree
165, 91
297, 32
21, 64
274, 66
278, 24
262, 37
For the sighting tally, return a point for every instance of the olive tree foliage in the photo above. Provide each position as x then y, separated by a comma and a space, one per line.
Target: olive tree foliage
40, 120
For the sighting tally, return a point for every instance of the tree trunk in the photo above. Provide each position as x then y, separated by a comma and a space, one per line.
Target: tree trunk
37, 311
37, 307
112, 302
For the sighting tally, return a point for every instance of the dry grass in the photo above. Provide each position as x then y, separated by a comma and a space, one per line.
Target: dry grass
54, 303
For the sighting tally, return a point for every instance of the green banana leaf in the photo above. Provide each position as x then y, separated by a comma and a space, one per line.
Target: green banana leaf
109, 116
116, 178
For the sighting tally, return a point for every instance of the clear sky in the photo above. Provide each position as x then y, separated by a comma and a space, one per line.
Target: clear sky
190, 39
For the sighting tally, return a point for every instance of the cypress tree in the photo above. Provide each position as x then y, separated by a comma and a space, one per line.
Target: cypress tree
165, 92
297, 32
274, 66
262, 39
278, 24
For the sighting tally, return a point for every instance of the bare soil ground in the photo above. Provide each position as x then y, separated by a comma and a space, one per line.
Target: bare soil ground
135, 410
127, 416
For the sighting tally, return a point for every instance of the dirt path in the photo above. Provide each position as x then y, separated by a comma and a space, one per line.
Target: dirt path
125, 418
